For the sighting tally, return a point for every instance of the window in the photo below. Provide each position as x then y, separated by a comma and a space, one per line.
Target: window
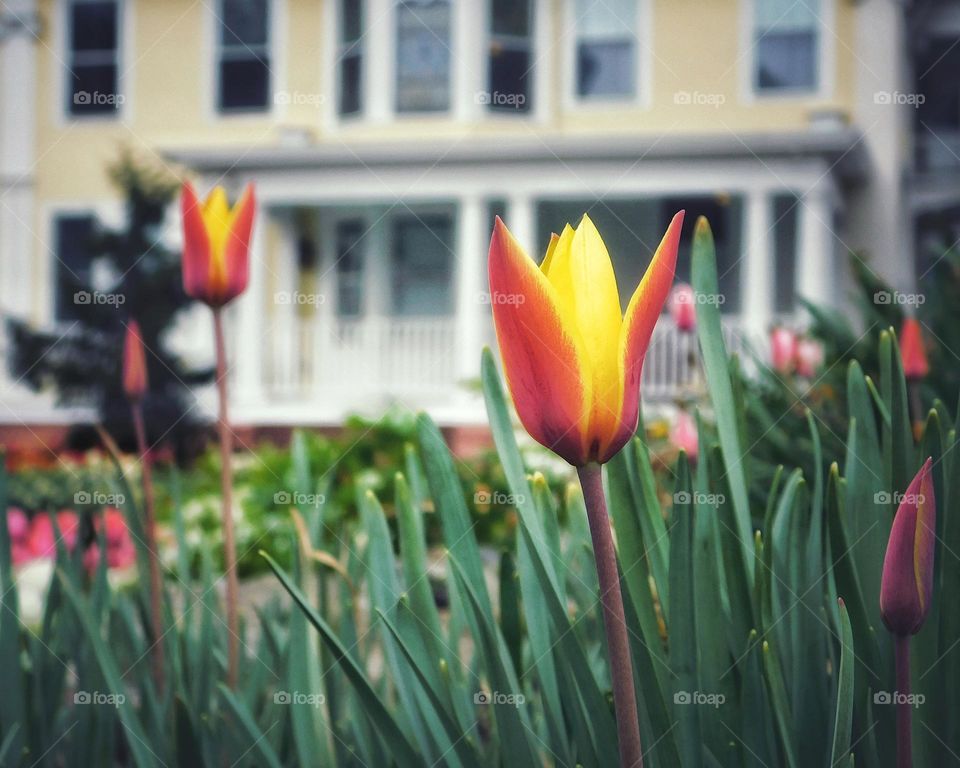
510, 79
787, 43
93, 57
423, 55
422, 266
606, 48
786, 209
73, 239
349, 267
350, 57
243, 56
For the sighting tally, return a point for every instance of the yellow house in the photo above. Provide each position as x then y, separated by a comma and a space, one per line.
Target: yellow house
384, 135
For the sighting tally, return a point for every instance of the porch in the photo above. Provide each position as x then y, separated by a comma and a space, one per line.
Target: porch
368, 268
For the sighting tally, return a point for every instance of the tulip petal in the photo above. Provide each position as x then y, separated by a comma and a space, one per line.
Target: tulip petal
906, 586
543, 359
134, 363
583, 275
237, 245
643, 311
196, 244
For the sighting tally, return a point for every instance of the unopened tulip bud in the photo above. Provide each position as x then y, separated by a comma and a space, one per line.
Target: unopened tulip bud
912, 350
682, 307
906, 586
783, 349
134, 363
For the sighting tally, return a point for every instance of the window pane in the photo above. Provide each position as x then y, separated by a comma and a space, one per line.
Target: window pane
350, 84
510, 80
423, 55
93, 90
786, 15
511, 17
243, 22
349, 268
605, 69
73, 237
244, 84
787, 60
785, 218
93, 26
351, 20
422, 265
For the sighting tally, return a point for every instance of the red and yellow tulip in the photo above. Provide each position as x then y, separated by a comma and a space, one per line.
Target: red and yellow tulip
906, 586
572, 359
134, 363
216, 244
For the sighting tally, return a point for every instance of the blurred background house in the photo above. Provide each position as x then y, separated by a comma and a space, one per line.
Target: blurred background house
384, 135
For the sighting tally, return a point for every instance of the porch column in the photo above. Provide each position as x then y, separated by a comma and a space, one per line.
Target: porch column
756, 300
379, 60
816, 263
252, 320
471, 242
521, 219
23, 270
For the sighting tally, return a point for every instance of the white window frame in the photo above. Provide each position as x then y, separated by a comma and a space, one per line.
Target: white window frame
825, 62
210, 66
64, 89
643, 63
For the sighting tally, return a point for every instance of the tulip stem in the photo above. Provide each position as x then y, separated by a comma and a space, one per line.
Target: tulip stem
621, 667
150, 533
226, 492
904, 735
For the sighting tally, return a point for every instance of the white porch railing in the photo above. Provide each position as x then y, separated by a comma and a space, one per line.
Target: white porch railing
357, 362
672, 364
364, 364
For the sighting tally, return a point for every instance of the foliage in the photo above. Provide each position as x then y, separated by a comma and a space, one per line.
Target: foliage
743, 651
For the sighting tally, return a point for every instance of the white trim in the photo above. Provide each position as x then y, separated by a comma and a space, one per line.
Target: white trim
826, 59
643, 63
60, 61
210, 70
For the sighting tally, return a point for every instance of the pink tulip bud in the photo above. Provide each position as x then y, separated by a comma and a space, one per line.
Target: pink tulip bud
684, 435
809, 357
906, 586
783, 349
682, 307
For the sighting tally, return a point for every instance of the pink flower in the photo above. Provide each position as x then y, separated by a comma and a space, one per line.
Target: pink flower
20, 553
41, 539
809, 357
17, 524
682, 307
91, 558
115, 527
783, 348
122, 556
684, 435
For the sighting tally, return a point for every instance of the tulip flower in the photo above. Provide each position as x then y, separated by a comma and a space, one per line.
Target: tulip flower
573, 362
783, 350
912, 350
684, 435
216, 242
134, 363
907, 583
572, 359
808, 358
682, 308
906, 587
135, 387
216, 271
